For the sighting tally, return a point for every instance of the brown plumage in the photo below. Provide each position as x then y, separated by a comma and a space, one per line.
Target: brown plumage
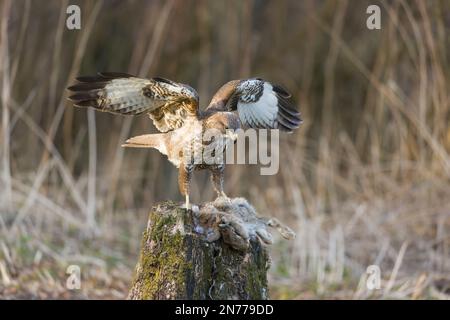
174, 109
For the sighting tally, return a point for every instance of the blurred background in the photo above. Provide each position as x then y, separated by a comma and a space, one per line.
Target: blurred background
364, 181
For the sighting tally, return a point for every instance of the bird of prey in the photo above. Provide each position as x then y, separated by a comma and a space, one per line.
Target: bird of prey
174, 109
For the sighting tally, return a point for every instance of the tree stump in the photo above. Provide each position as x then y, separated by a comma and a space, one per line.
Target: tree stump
216, 251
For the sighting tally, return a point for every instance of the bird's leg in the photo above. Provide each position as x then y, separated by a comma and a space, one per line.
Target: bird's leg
217, 181
184, 178
217, 177
188, 205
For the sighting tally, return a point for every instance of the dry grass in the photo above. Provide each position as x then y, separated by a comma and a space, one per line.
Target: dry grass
364, 181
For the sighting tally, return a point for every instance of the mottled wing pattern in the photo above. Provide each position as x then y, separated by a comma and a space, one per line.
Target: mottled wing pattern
261, 104
167, 102
172, 115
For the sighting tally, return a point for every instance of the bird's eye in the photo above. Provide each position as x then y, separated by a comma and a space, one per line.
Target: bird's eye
164, 80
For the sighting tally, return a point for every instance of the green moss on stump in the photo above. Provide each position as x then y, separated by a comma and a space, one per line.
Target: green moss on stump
177, 263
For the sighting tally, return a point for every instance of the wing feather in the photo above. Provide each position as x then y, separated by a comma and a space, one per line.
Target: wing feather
261, 104
167, 102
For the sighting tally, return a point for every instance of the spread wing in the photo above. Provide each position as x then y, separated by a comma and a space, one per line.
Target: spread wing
168, 103
259, 104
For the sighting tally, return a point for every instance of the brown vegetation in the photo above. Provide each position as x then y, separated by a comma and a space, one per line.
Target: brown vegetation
364, 181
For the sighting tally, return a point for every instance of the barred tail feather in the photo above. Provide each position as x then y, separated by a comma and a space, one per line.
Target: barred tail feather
155, 141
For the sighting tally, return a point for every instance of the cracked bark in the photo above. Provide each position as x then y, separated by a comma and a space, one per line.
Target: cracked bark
177, 263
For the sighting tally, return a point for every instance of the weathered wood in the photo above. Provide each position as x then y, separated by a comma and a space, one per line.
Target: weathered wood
180, 259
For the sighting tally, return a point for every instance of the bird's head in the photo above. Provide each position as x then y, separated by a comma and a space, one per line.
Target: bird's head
190, 92
177, 92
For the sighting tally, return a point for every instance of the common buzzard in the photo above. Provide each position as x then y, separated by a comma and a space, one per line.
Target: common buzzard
174, 109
